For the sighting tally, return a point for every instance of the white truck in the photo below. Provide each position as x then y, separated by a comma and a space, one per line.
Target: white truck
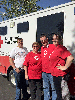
59, 19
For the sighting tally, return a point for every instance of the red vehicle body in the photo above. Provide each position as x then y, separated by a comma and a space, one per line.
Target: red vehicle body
4, 64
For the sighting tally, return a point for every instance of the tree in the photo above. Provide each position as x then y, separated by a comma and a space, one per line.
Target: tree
16, 8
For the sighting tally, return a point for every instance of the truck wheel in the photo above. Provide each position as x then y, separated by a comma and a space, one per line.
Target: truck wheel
12, 78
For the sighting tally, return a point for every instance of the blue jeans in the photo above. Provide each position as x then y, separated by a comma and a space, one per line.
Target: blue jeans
47, 80
20, 84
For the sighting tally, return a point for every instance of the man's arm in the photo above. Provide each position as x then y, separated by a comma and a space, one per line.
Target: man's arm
12, 62
13, 65
68, 63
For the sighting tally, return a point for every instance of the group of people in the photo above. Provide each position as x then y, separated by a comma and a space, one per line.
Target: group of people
50, 64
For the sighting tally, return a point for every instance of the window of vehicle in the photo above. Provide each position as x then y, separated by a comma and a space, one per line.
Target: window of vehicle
3, 30
23, 27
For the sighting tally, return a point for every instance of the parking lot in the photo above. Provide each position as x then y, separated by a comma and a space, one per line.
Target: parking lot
7, 92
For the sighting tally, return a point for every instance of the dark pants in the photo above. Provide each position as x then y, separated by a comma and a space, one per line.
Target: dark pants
35, 88
57, 84
20, 84
60, 92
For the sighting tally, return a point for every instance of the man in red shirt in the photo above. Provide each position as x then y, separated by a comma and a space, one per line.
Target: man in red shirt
46, 75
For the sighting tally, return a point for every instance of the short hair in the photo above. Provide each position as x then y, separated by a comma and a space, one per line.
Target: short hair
36, 43
19, 39
42, 35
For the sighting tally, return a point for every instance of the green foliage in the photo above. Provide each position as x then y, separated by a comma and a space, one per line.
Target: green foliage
16, 8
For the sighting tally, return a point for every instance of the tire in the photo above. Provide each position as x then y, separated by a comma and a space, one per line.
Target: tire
12, 79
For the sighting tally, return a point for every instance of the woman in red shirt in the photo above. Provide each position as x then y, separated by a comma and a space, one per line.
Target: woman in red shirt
60, 60
33, 71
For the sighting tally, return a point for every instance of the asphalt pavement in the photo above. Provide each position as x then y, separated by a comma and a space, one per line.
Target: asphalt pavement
7, 92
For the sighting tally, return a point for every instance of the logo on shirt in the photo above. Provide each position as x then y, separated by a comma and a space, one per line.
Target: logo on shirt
36, 57
45, 53
20, 54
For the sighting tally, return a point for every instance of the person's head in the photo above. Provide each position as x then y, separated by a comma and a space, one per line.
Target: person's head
56, 38
20, 42
35, 47
44, 40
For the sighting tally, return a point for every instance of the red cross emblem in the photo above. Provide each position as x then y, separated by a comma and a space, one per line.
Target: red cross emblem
1, 41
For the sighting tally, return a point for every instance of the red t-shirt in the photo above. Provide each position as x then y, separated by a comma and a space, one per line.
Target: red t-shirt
34, 63
45, 54
58, 56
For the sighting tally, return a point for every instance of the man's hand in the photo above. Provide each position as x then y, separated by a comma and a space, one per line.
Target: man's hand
17, 70
26, 76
